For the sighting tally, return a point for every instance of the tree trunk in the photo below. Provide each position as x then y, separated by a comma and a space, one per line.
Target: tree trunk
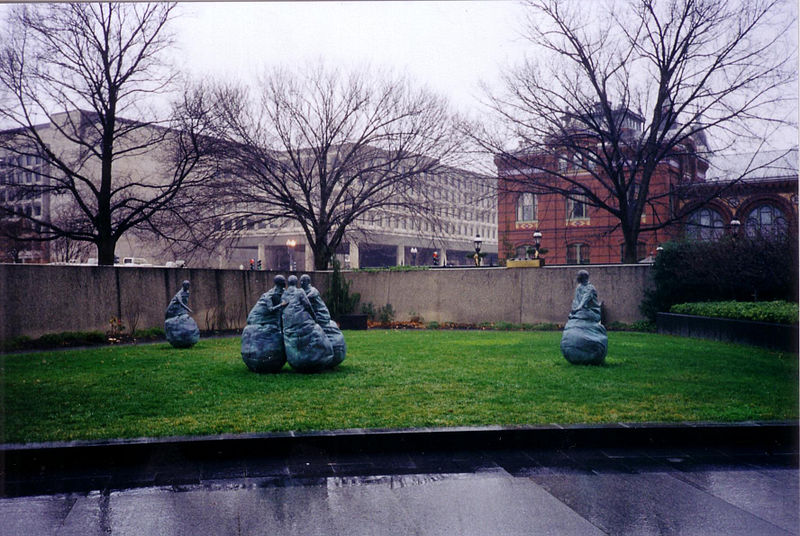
629, 249
322, 258
105, 251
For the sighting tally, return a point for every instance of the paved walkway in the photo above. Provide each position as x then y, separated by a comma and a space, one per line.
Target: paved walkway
569, 490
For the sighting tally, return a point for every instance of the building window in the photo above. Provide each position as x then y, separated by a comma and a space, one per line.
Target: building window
578, 254
577, 208
562, 162
765, 220
526, 207
705, 224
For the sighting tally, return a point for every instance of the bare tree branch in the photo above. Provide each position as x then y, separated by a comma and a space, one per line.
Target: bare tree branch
646, 84
329, 149
69, 73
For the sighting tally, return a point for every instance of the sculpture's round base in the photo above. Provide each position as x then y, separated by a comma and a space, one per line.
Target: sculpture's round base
308, 350
584, 343
262, 349
337, 342
590, 354
181, 331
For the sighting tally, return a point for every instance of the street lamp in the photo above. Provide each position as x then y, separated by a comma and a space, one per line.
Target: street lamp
291, 244
735, 225
478, 243
414, 256
537, 242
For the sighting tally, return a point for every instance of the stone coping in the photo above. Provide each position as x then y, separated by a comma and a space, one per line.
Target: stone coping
785, 433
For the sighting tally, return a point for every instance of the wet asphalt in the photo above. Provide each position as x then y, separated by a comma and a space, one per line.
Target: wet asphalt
582, 481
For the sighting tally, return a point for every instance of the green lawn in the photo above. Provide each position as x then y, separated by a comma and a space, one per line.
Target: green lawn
395, 379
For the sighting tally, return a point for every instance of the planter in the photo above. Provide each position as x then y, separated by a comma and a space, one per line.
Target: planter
527, 263
767, 335
352, 322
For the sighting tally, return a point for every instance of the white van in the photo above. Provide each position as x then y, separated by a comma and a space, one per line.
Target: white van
135, 261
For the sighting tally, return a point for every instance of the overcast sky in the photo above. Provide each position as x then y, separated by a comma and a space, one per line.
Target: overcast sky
448, 46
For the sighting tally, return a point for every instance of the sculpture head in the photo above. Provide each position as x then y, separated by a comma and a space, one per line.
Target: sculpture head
292, 281
279, 281
305, 281
583, 277
185, 285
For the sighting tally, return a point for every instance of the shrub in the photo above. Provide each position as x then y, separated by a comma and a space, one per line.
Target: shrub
338, 298
743, 269
640, 325
779, 312
149, 334
386, 314
432, 325
369, 310
415, 317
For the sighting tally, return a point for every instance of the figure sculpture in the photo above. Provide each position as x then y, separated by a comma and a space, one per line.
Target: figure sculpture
323, 318
584, 341
307, 347
180, 328
262, 338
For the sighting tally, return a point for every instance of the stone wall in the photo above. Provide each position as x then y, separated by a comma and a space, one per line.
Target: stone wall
40, 299
520, 295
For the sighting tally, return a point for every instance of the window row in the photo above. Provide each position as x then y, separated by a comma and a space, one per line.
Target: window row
12, 195
577, 253
20, 177
528, 207
764, 220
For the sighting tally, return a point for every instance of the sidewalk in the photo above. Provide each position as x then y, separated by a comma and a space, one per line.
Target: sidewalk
619, 479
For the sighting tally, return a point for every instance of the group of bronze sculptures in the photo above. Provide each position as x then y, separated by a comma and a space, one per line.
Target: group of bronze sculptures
292, 323
288, 323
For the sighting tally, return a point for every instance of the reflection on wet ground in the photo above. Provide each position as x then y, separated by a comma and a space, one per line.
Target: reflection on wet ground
519, 491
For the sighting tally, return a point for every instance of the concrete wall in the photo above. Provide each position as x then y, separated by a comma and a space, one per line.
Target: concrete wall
520, 295
39, 299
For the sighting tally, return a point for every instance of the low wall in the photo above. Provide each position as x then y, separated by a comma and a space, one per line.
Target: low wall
519, 295
40, 299
764, 334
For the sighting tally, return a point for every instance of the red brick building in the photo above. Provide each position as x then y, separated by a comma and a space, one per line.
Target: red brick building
765, 200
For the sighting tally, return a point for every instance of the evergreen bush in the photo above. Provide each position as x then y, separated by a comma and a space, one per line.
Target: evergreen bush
742, 269
338, 297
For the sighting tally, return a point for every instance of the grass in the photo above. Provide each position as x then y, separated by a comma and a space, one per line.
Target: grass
395, 379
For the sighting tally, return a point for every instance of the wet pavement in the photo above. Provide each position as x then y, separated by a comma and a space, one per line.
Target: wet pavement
576, 488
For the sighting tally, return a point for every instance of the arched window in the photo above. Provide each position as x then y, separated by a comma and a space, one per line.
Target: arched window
705, 224
765, 220
526, 207
578, 254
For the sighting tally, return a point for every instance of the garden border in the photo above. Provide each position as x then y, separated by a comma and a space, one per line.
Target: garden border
764, 334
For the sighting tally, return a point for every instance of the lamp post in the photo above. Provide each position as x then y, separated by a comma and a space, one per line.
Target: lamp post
735, 225
478, 243
537, 242
414, 256
290, 244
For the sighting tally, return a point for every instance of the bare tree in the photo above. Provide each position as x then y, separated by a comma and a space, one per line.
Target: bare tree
644, 83
69, 74
328, 149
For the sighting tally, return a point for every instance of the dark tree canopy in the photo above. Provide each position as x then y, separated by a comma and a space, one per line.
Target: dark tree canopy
623, 86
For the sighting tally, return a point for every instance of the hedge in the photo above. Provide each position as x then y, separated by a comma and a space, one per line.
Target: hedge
755, 269
779, 312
